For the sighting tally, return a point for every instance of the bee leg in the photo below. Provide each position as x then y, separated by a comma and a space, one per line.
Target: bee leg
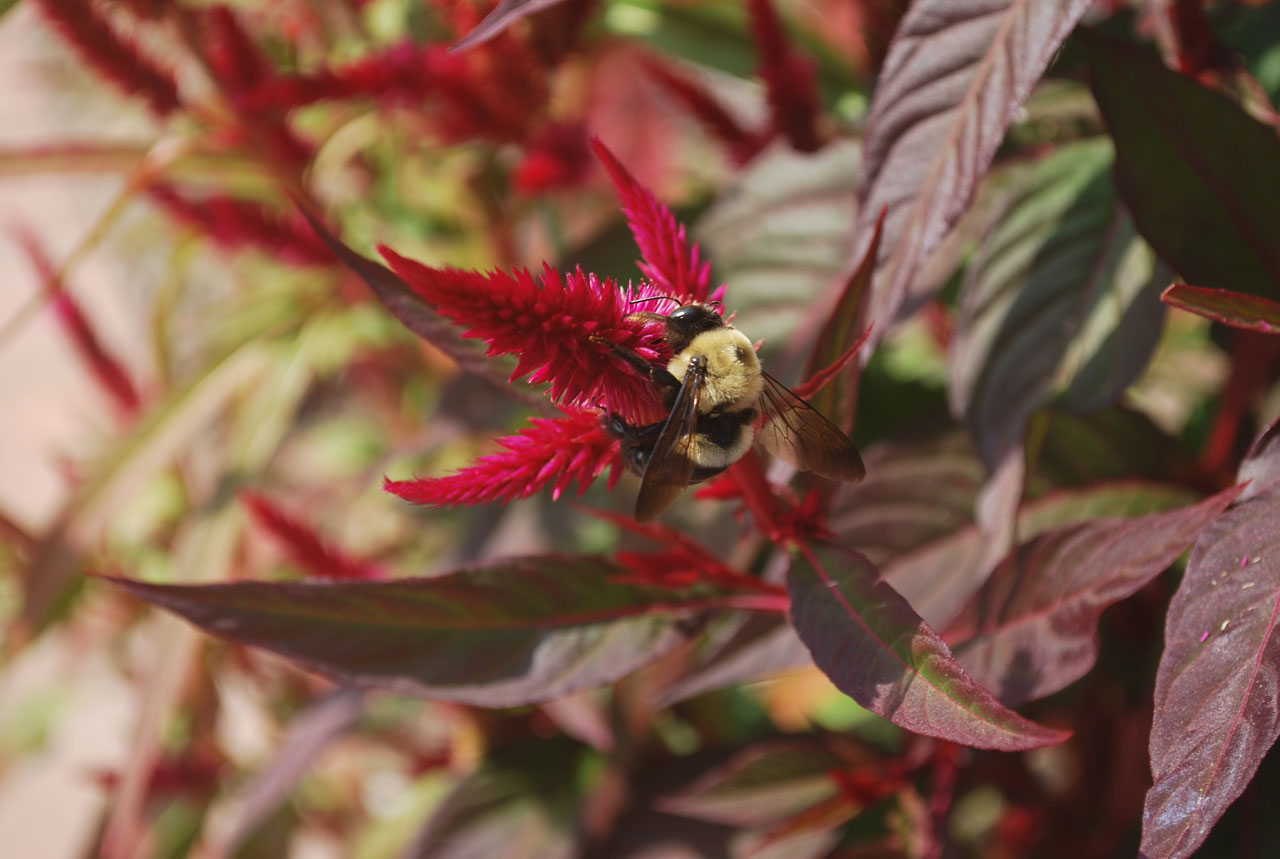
657, 375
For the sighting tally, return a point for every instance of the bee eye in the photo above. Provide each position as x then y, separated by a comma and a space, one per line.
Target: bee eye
681, 314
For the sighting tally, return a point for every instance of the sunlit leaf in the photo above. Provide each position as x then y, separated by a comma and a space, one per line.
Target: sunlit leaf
1217, 698
737, 649
516, 633
1032, 628
954, 78
1062, 296
1196, 171
875, 649
1238, 309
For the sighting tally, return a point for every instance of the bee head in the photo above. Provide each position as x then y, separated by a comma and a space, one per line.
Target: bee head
692, 319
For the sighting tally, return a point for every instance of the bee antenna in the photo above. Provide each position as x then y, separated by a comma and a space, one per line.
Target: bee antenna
654, 298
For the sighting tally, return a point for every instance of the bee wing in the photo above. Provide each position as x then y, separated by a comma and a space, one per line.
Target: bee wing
799, 435
669, 469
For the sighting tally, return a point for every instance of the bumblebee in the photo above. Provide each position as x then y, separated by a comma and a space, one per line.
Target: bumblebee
720, 402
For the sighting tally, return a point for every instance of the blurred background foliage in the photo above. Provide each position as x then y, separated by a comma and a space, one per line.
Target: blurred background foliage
261, 365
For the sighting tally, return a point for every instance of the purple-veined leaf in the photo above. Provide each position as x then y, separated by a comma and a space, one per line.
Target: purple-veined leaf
838, 400
1032, 629
519, 632
1217, 698
954, 77
1238, 309
875, 649
939, 578
1261, 466
737, 648
506, 13
780, 234
761, 785
1197, 172
1061, 297
915, 492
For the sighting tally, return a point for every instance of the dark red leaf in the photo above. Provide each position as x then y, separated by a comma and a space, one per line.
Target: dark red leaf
1196, 171
875, 649
790, 80
1217, 698
846, 322
760, 786
523, 631
1032, 628
940, 577
1250, 312
955, 76
737, 649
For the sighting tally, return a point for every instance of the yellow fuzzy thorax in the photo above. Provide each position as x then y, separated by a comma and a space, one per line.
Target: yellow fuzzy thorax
733, 379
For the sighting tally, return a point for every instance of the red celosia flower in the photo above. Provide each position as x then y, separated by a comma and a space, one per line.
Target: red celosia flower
675, 268
743, 144
790, 79
304, 546
493, 92
560, 326
551, 452
112, 54
107, 370
235, 224
556, 157
564, 328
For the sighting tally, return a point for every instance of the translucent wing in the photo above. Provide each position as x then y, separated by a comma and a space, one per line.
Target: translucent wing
670, 469
799, 435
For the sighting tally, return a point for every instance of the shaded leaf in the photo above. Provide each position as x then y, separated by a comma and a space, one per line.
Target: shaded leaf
1114, 444
780, 235
1217, 698
1060, 297
1033, 627
309, 734
915, 492
1251, 312
1261, 466
519, 805
955, 76
939, 578
760, 786
875, 649
516, 633
737, 649
1195, 170
843, 327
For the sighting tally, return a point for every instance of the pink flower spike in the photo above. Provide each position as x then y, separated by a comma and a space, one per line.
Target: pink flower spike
304, 545
743, 145
235, 224
790, 79
675, 268
550, 450
562, 327
108, 371
112, 54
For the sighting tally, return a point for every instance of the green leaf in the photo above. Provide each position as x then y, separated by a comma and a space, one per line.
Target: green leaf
877, 650
519, 632
1196, 171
